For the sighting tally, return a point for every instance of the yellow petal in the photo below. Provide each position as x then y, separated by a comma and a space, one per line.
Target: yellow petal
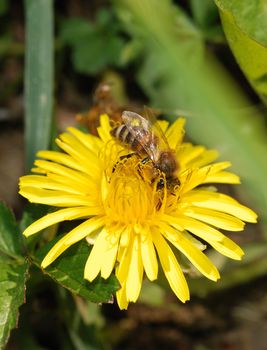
135, 273
192, 178
91, 185
197, 243
149, 257
224, 177
59, 216
162, 124
47, 183
215, 218
91, 142
110, 254
104, 128
220, 202
195, 156
124, 258
72, 237
187, 153
171, 267
175, 133
81, 154
56, 198
121, 297
60, 158
63, 171
196, 227
38, 170
197, 258
228, 248
94, 261
206, 157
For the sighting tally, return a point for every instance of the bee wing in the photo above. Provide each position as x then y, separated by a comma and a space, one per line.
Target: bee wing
156, 130
132, 119
138, 127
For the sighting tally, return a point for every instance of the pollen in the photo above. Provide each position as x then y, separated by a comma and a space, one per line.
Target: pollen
132, 196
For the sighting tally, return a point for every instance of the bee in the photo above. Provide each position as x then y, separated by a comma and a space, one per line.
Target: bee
103, 103
148, 141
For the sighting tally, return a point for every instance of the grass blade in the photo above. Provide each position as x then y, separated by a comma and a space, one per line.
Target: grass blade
39, 69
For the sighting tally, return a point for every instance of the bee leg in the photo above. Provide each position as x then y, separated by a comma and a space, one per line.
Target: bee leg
172, 184
127, 156
145, 160
160, 184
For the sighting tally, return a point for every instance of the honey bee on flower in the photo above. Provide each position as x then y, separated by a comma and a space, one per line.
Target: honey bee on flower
150, 143
133, 221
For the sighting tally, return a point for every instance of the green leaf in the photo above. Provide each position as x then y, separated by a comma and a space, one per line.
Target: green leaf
13, 273
74, 29
178, 73
11, 240
95, 46
38, 76
249, 51
13, 276
95, 54
249, 16
83, 321
68, 270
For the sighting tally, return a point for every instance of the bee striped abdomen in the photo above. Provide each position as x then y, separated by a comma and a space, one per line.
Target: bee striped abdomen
120, 133
135, 142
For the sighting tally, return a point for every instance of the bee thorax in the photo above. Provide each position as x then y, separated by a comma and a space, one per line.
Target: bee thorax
167, 163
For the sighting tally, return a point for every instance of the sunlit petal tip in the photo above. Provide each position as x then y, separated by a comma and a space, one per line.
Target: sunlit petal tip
238, 254
185, 297
29, 231
121, 298
90, 272
46, 262
41, 154
251, 216
214, 275
89, 278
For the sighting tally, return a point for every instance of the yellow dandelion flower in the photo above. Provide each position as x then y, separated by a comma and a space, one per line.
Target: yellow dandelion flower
132, 223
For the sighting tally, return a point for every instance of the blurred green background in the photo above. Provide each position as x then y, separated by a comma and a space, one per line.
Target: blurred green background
202, 59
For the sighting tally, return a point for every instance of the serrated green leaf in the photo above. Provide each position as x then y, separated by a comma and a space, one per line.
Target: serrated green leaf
38, 76
13, 273
13, 276
68, 271
250, 54
178, 73
11, 241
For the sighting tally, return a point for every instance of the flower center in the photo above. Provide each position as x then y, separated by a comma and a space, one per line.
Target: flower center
132, 192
